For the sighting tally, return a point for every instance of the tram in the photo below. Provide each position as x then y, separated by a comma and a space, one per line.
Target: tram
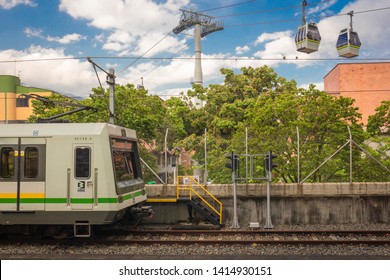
78, 174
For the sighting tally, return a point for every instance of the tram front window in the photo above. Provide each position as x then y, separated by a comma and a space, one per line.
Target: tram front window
127, 167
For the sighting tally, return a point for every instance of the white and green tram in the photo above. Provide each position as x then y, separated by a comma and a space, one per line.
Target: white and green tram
68, 174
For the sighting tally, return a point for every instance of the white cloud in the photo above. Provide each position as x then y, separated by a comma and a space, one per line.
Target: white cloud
67, 75
374, 36
66, 39
321, 7
266, 37
134, 25
33, 32
241, 50
319, 86
9, 4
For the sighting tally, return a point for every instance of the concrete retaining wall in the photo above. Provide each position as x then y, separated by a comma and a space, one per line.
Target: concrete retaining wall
291, 204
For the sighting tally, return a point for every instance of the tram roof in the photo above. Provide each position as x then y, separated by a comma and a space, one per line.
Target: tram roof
62, 129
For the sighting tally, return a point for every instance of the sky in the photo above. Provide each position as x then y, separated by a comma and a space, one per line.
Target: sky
46, 42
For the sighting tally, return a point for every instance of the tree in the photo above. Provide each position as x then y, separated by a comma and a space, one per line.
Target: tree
379, 123
272, 108
134, 108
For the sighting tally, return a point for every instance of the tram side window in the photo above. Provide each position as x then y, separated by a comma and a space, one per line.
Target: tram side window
7, 163
31, 162
83, 162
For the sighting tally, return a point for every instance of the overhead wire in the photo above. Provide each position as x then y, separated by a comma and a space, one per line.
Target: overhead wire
290, 20
224, 58
205, 58
142, 55
157, 66
227, 6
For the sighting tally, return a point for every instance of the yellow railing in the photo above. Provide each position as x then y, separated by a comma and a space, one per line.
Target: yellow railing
188, 183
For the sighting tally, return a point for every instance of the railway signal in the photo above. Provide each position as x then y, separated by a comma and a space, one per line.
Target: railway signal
234, 163
268, 160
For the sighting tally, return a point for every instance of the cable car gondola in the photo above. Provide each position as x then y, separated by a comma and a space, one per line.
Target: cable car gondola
348, 44
307, 38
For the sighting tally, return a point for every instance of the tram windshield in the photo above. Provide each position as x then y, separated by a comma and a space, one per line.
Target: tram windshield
126, 163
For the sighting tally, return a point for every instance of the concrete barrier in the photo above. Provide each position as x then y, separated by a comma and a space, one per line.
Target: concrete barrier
291, 204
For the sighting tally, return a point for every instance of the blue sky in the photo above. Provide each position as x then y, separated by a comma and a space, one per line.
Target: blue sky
45, 42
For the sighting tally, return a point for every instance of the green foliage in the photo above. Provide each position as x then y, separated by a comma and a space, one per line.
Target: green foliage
270, 107
379, 123
134, 108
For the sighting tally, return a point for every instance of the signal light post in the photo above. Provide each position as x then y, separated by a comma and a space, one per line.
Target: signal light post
233, 165
268, 166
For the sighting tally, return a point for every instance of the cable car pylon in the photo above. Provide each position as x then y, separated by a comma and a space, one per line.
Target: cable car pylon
204, 25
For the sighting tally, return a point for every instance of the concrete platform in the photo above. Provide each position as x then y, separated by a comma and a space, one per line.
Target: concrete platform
291, 204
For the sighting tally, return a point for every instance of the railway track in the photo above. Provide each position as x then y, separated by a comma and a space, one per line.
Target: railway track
217, 237
251, 237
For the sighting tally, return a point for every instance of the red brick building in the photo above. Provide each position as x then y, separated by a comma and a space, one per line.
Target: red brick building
367, 83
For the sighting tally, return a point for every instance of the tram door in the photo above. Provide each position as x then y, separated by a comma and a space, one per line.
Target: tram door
22, 174
82, 187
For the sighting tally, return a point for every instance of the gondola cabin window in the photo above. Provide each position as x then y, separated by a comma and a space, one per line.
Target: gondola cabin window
343, 39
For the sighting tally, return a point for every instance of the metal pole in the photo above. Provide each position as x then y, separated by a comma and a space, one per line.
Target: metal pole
299, 157
246, 154
6, 109
166, 156
268, 222
304, 4
326, 161
111, 83
205, 157
155, 174
235, 219
350, 155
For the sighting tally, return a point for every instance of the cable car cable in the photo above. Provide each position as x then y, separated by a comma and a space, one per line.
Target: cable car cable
227, 6
138, 58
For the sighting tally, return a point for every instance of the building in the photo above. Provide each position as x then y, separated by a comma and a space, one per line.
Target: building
14, 107
367, 83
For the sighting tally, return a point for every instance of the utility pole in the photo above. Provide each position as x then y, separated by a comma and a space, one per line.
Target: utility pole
111, 83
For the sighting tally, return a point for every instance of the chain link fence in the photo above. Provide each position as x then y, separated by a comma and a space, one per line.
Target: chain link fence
351, 160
